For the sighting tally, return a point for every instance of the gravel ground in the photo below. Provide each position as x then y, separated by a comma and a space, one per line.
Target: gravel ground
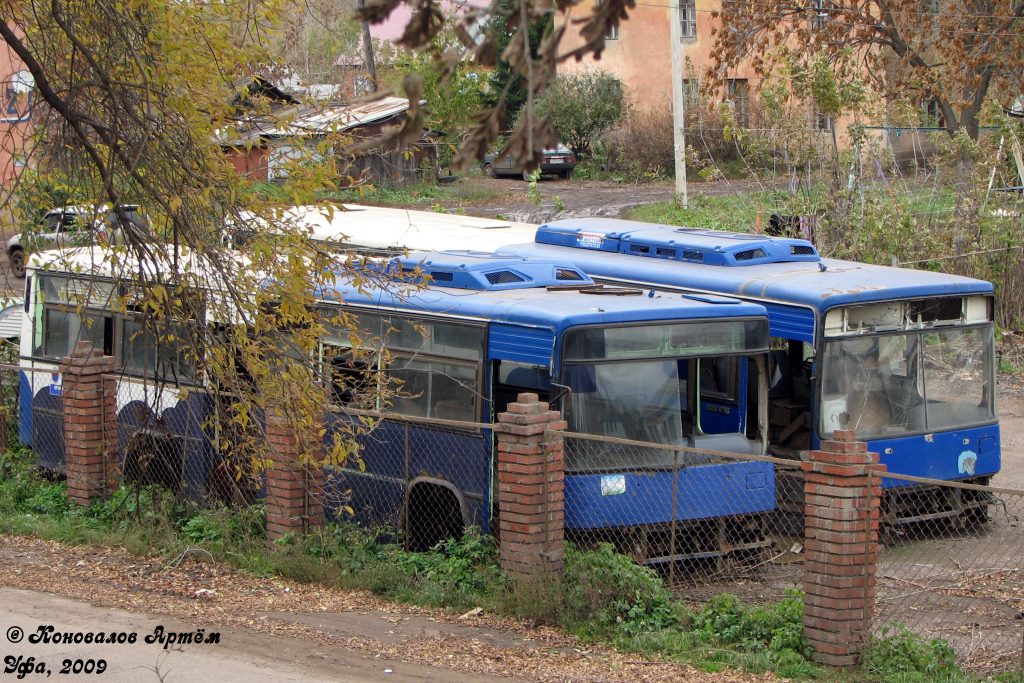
482, 644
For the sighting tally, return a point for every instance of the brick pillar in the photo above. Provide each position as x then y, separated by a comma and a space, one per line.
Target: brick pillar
531, 465
841, 543
295, 501
89, 397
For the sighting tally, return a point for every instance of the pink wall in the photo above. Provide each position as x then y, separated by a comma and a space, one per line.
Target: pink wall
392, 28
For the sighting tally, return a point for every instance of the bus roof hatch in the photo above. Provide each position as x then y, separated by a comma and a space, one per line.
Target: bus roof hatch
485, 271
691, 245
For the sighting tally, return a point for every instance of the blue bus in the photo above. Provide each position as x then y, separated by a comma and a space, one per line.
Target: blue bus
676, 369
904, 358
619, 362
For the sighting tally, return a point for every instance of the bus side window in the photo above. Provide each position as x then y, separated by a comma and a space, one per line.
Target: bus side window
350, 379
434, 388
350, 376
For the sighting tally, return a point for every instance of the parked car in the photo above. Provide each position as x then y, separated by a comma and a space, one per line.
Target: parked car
72, 226
559, 161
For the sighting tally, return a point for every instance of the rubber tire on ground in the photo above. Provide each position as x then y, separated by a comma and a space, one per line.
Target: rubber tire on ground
565, 175
489, 171
18, 263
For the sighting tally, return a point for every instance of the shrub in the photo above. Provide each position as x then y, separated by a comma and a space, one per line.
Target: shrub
605, 592
903, 656
583, 106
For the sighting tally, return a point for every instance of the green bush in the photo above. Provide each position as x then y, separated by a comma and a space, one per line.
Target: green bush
583, 106
901, 656
778, 628
605, 592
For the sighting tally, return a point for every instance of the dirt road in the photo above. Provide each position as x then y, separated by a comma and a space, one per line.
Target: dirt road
582, 198
272, 629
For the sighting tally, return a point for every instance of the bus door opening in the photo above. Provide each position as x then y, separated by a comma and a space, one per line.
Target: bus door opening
511, 378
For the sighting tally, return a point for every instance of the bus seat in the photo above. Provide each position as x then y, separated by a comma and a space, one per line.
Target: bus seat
779, 383
730, 443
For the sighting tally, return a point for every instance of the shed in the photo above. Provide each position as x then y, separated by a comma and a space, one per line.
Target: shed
262, 146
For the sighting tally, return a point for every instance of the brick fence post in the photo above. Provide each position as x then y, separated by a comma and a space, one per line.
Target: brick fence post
843, 494
531, 465
295, 500
89, 398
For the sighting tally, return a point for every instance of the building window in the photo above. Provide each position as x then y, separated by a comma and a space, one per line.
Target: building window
821, 121
688, 18
613, 31
819, 10
737, 94
362, 85
691, 93
931, 115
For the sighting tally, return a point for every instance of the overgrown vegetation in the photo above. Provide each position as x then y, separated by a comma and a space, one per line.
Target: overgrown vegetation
876, 224
601, 596
582, 107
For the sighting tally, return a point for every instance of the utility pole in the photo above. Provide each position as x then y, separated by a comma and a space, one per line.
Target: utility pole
371, 66
678, 105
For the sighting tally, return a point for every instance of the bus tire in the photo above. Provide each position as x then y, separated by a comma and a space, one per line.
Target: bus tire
433, 513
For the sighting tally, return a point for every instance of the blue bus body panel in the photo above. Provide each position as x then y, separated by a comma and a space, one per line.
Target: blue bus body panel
47, 425
377, 495
531, 345
790, 322
959, 454
539, 307
184, 422
704, 491
24, 409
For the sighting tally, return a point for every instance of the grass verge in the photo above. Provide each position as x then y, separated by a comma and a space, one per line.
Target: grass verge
601, 596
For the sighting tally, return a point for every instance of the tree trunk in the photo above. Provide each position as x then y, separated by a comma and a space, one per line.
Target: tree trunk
966, 217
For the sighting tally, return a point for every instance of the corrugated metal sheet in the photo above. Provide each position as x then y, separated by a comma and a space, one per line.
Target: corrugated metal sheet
790, 322
522, 344
10, 320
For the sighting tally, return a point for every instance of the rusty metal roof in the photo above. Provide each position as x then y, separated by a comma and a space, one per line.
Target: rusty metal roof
316, 121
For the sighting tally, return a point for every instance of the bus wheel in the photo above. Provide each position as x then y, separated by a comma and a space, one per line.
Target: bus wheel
433, 514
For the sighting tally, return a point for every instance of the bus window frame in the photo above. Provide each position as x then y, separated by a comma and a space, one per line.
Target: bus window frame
385, 355
818, 421
117, 320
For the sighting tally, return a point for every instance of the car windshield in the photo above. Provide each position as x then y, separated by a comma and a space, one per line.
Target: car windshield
908, 382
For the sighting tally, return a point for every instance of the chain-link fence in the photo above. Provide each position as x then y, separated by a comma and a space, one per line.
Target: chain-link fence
708, 518
32, 413
422, 478
178, 440
711, 519
956, 573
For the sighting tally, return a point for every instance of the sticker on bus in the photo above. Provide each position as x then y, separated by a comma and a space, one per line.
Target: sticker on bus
613, 485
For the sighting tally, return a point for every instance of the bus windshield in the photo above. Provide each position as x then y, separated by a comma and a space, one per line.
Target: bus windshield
901, 383
648, 383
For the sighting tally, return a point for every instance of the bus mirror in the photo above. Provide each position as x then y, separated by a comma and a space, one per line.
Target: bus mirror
560, 390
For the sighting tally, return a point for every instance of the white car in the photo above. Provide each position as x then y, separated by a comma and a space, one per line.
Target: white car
71, 226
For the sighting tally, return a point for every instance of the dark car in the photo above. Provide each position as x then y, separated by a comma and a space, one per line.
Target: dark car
559, 161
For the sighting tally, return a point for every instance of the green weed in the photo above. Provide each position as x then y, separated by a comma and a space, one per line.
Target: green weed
901, 656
